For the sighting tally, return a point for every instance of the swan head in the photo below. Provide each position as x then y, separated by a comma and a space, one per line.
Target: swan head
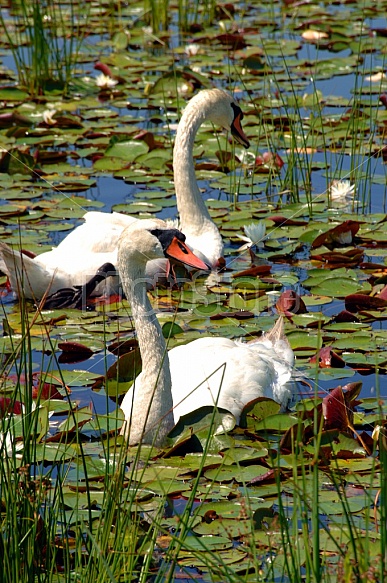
150, 239
223, 110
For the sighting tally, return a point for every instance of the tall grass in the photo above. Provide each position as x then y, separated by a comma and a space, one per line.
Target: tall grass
195, 13
49, 527
45, 39
314, 549
190, 14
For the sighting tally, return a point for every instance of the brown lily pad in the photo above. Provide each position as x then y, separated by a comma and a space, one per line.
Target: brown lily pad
327, 358
288, 221
336, 259
290, 302
342, 234
8, 405
358, 302
255, 271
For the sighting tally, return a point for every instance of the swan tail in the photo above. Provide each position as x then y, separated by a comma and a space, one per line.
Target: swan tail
276, 333
26, 276
276, 341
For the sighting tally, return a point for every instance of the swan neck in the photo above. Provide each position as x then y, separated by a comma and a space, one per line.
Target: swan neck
192, 210
151, 415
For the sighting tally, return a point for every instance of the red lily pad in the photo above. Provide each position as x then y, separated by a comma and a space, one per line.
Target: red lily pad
342, 234
75, 348
8, 405
290, 302
288, 221
327, 358
103, 68
344, 316
239, 315
337, 407
255, 271
336, 259
123, 347
73, 352
235, 41
336, 413
358, 302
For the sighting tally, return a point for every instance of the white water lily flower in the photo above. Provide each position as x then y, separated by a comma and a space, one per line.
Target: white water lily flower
312, 35
376, 77
254, 235
192, 49
245, 156
376, 432
7, 447
184, 89
48, 116
340, 189
105, 82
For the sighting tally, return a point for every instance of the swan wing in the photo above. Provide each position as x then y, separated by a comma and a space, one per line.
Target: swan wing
230, 374
26, 275
98, 234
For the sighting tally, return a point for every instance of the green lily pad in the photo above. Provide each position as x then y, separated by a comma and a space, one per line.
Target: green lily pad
136, 208
127, 150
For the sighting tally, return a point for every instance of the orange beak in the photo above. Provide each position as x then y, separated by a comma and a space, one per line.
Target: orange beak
237, 131
180, 252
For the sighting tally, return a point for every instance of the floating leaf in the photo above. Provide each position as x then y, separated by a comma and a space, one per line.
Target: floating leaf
170, 329
326, 357
355, 302
290, 303
257, 411
75, 349
76, 420
121, 374
202, 423
127, 150
276, 423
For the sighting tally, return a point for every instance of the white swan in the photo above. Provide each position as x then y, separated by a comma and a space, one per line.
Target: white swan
220, 108
86, 248
204, 372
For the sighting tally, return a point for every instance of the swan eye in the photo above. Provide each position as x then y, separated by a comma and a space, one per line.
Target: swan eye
165, 236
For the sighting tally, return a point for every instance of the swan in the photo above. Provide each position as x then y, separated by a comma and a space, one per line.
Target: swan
206, 371
220, 108
78, 257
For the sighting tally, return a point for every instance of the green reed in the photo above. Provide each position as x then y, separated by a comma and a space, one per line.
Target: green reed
45, 39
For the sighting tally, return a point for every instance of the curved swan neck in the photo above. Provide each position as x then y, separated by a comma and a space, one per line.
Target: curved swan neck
152, 415
194, 216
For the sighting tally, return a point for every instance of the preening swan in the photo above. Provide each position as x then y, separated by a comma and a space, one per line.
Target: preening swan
204, 372
84, 250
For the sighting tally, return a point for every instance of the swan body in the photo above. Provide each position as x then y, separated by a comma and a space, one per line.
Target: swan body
86, 248
229, 373
208, 371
